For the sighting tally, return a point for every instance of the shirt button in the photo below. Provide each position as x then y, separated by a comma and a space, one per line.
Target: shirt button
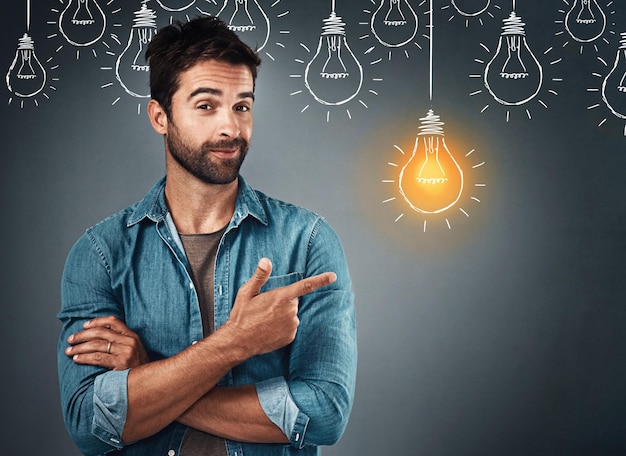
171, 453
194, 342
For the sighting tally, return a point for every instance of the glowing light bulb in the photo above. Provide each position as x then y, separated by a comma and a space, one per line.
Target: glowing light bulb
394, 23
514, 75
82, 22
26, 76
585, 21
431, 181
247, 18
614, 85
471, 7
334, 75
175, 5
131, 68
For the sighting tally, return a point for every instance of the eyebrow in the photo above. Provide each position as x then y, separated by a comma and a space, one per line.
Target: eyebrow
218, 92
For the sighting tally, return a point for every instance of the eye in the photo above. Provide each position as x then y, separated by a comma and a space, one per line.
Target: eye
243, 108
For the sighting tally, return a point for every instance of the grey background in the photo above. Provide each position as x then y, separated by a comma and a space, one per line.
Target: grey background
501, 336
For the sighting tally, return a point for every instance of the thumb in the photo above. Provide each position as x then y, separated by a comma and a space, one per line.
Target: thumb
260, 276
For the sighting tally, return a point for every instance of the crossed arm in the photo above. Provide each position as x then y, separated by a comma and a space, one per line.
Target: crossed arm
182, 387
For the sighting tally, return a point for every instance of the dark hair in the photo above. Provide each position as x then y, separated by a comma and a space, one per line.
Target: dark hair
179, 46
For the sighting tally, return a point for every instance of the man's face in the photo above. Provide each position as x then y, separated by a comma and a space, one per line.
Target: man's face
210, 124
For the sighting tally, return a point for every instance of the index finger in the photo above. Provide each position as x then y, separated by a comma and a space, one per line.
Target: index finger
310, 284
108, 322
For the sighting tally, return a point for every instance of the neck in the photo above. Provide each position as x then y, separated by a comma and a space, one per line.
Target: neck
197, 207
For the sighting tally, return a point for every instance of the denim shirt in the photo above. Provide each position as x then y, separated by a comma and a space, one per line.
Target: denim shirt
132, 265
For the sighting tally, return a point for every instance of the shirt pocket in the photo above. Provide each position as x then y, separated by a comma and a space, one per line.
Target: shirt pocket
281, 281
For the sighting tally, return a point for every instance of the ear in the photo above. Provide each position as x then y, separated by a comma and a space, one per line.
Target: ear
158, 117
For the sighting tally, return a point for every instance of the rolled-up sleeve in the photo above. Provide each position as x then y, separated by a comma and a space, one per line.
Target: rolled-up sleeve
280, 408
110, 403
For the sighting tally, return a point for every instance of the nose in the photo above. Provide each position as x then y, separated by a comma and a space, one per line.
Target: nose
229, 125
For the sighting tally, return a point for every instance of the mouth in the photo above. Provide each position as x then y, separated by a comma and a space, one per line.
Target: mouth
225, 152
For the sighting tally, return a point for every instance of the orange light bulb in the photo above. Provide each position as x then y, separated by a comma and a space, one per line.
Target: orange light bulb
431, 181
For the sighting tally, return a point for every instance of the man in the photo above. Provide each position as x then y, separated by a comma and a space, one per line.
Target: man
208, 318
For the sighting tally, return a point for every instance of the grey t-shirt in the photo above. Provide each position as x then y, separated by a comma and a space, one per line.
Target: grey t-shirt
201, 250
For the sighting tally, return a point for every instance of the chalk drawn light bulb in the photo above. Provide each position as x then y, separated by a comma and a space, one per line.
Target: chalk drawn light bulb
82, 22
26, 76
614, 84
131, 68
248, 19
334, 75
514, 76
175, 5
585, 21
431, 181
394, 23
471, 7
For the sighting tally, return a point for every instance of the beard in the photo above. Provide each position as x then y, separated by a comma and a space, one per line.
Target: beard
199, 163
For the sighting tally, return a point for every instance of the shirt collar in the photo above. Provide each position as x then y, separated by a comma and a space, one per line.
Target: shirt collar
153, 205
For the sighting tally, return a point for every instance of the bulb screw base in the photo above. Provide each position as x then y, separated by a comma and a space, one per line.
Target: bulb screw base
431, 124
513, 25
145, 18
333, 25
622, 41
26, 43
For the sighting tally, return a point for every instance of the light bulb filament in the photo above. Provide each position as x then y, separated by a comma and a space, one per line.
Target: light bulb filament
431, 171
585, 16
144, 36
83, 16
26, 70
513, 67
334, 32
334, 67
395, 16
26, 49
241, 20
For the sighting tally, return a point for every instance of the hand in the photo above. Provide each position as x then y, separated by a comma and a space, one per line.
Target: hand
268, 321
107, 342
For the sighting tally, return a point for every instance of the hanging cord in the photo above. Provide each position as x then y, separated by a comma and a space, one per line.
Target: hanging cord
28, 15
431, 52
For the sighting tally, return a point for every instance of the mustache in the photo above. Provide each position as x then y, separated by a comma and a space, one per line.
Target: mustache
240, 143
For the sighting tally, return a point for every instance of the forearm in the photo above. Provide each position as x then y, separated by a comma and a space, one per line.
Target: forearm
160, 392
233, 413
